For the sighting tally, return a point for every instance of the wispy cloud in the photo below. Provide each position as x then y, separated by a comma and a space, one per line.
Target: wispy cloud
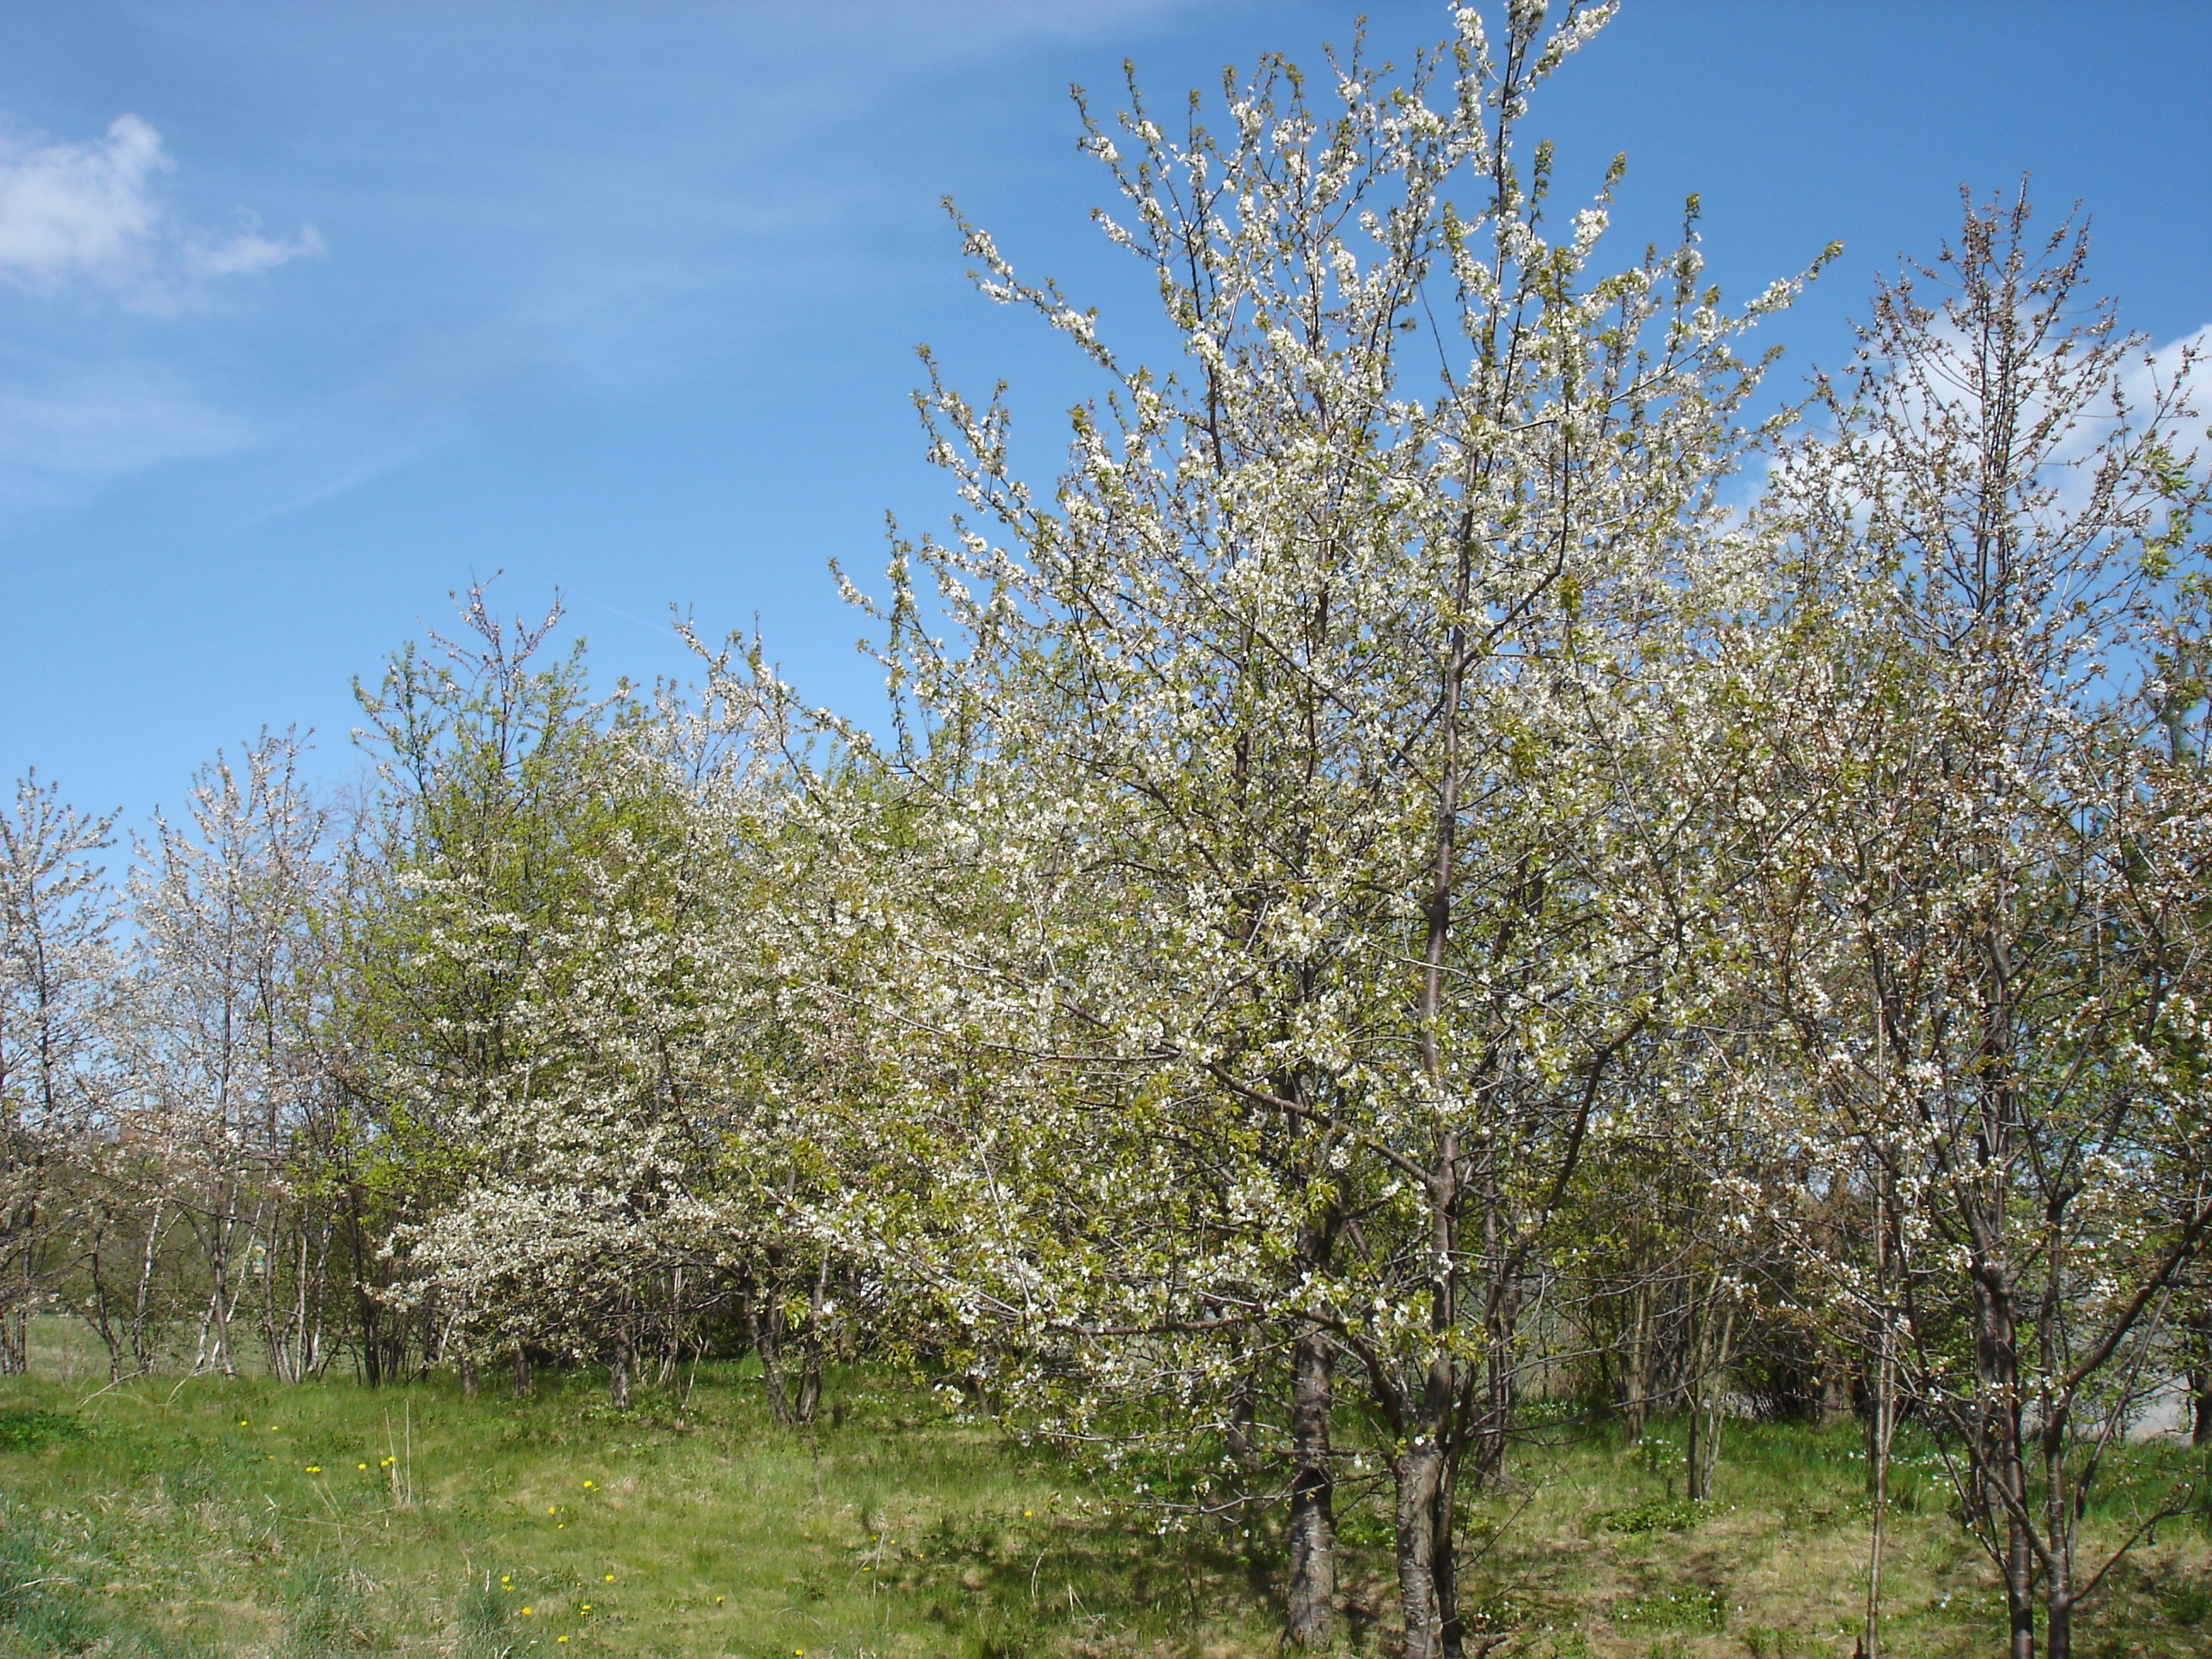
77, 213
248, 250
56, 438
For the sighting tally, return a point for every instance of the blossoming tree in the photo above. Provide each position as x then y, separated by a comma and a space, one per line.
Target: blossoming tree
1985, 931
1320, 746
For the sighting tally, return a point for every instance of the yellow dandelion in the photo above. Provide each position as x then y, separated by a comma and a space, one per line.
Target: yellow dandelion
315, 1468
360, 1466
588, 1485
717, 1600
526, 1612
611, 1578
560, 1638
552, 1509
586, 1608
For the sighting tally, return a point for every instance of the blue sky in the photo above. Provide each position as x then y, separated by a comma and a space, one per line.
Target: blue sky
307, 312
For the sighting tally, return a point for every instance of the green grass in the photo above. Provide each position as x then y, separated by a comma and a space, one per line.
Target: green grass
245, 1518
240, 1518
1603, 1557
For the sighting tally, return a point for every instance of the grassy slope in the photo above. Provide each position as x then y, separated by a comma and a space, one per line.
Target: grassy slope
240, 1518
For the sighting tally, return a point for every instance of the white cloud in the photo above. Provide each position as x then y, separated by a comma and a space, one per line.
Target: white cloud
2177, 364
79, 209
2165, 376
249, 251
89, 213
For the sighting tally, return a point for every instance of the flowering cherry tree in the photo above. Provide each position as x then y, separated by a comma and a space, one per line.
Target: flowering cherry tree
57, 961
229, 984
1318, 753
1985, 932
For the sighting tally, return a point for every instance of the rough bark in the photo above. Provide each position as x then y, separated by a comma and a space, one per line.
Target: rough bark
1427, 1600
1309, 1618
2001, 1467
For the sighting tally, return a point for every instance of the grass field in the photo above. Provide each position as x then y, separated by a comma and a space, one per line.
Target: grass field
214, 1517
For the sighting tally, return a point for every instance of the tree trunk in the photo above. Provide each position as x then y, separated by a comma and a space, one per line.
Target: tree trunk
215, 1323
142, 1303
98, 1315
1997, 1451
1635, 1368
2019, 1565
1835, 1402
1427, 1590
1493, 1428
1706, 1406
809, 1379
523, 1380
318, 1298
1501, 1320
1309, 1609
364, 1296
618, 1368
768, 1343
2058, 1623
303, 1347
1881, 1430
671, 1333
1240, 1432
283, 1297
